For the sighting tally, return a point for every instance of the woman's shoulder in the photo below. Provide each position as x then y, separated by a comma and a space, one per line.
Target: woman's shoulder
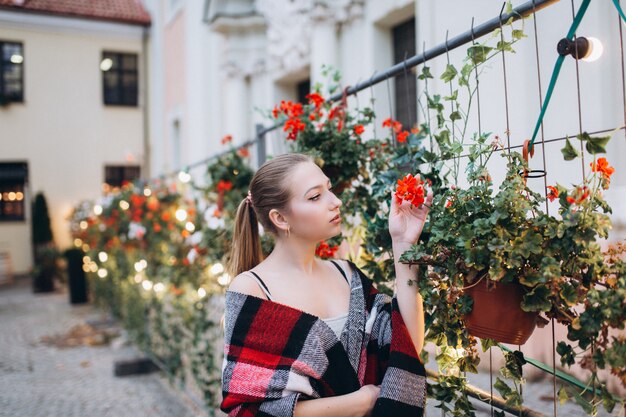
245, 283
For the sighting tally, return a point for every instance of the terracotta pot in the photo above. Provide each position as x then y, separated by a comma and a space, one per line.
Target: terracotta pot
496, 313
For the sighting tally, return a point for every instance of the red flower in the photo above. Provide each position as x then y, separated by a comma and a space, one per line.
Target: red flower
316, 99
243, 152
324, 250
579, 195
394, 124
226, 139
294, 126
448, 203
603, 167
411, 189
553, 194
401, 136
224, 185
359, 129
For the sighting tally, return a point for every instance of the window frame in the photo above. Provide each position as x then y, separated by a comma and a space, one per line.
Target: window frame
120, 72
19, 180
4, 99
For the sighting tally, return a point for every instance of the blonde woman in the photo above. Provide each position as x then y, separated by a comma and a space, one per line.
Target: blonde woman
312, 337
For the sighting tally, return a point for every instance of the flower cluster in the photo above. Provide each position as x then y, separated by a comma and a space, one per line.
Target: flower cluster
324, 250
396, 126
293, 111
410, 188
602, 166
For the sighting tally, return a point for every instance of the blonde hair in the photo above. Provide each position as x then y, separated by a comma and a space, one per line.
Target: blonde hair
269, 190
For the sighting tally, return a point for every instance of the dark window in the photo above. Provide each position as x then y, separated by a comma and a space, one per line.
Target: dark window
304, 88
11, 72
405, 83
116, 175
13, 177
120, 78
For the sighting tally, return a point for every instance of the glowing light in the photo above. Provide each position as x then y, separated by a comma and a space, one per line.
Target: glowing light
124, 205
19, 196
78, 242
189, 226
184, 176
224, 279
595, 50
201, 292
147, 192
85, 247
103, 256
83, 224
138, 278
106, 64
17, 59
217, 268
86, 259
93, 267
159, 287
181, 215
141, 265
102, 273
147, 285
97, 209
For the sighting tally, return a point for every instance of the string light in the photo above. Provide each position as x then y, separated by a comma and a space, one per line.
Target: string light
103, 256
181, 215
159, 287
217, 268
596, 50
190, 226
586, 48
147, 285
201, 292
124, 205
97, 209
184, 176
102, 273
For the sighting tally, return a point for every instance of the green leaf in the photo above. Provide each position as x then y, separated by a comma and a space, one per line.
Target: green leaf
425, 73
518, 34
594, 145
478, 53
455, 115
562, 395
449, 73
567, 353
487, 343
568, 294
569, 152
537, 300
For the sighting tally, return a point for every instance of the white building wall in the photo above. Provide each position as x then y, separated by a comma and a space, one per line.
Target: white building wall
63, 129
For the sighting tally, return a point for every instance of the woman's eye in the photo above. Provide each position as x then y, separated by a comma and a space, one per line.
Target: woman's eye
314, 197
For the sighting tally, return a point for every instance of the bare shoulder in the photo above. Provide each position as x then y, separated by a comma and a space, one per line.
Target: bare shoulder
345, 265
246, 283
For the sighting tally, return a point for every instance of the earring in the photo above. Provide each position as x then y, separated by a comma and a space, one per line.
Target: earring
288, 231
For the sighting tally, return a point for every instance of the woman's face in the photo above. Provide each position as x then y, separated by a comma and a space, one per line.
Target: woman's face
313, 204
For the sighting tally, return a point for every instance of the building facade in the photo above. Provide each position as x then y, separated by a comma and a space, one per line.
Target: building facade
73, 110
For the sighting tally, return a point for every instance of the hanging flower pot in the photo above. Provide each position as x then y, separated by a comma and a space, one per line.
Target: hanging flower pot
496, 312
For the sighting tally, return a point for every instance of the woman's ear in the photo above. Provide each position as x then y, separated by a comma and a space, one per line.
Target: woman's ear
279, 220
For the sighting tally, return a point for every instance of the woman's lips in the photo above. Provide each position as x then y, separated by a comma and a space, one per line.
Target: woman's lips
336, 218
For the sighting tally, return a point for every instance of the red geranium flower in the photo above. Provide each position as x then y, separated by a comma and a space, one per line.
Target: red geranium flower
553, 194
226, 139
243, 152
224, 185
316, 99
603, 167
411, 189
579, 195
394, 124
401, 136
359, 129
324, 250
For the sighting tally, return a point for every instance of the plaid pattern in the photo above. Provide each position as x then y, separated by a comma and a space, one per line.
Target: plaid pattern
275, 355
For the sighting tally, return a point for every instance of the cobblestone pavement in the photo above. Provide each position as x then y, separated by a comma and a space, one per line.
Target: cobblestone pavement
41, 380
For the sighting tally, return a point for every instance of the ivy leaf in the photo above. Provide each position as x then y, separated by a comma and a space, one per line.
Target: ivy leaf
568, 294
518, 34
449, 73
425, 73
569, 152
478, 53
455, 115
537, 300
594, 145
487, 343
562, 395
566, 352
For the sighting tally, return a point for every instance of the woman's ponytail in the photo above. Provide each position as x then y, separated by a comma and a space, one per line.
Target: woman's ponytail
245, 250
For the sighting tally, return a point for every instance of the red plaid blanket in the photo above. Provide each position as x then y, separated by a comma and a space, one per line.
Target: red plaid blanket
275, 355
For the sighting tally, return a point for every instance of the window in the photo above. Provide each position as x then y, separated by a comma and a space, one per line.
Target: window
303, 88
13, 177
119, 78
11, 72
405, 84
117, 175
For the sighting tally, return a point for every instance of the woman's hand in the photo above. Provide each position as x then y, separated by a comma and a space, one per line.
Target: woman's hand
407, 221
368, 394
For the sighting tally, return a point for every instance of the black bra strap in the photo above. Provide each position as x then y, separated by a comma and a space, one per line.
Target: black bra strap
340, 270
261, 281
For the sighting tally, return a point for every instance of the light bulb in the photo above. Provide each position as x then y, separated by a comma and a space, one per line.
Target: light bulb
595, 50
